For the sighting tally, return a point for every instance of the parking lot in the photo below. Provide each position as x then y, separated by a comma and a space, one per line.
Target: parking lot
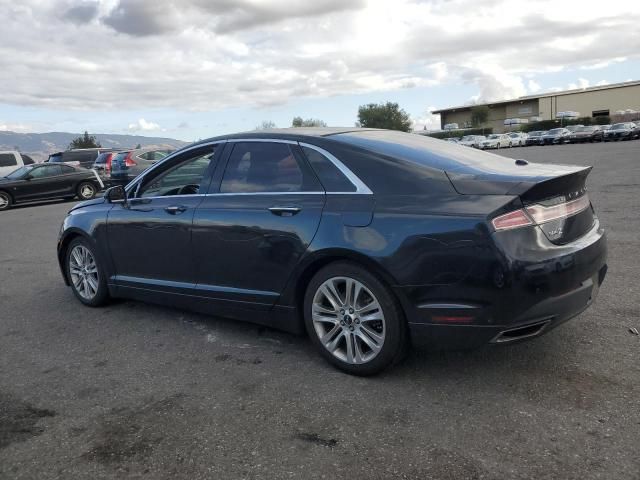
141, 391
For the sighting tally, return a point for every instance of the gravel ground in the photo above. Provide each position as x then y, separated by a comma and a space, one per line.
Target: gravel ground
139, 391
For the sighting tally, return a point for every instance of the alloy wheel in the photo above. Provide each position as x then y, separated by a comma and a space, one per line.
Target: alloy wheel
348, 319
87, 191
84, 272
4, 201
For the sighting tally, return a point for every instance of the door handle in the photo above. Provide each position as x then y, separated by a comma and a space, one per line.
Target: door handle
285, 211
175, 209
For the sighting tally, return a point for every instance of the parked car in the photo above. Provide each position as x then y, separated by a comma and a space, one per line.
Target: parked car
472, 140
47, 181
128, 164
344, 233
80, 157
518, 139
555, 136
622, 131
11, 160
574, 128
455, 140
102, 164
496, 140
534, 138
592, 133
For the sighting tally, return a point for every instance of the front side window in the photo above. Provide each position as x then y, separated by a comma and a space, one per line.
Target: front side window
266, 167
182, 179
45, 171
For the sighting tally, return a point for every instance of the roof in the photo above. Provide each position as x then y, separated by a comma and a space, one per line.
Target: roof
544, 95
293, 133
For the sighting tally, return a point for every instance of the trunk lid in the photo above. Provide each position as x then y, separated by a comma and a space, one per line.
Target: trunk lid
555, 196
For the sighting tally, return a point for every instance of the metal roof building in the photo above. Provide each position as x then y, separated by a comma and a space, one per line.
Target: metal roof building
588, 102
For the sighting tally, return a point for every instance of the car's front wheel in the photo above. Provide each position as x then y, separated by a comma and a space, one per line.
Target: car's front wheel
5, 201
86, 191
85, 273
354, 320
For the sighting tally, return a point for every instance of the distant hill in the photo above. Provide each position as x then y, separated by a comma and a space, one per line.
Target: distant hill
40, 145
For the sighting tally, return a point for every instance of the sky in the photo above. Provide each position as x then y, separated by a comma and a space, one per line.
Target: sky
191, 69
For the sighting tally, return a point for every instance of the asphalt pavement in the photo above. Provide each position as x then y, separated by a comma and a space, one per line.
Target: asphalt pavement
140, 391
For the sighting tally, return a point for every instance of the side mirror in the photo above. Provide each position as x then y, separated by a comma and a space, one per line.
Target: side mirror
27, 177
116, 194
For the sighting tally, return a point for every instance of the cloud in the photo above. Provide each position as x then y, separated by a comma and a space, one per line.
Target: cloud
15, 127
533, 86
582, 83
143, 125
427, 121
82, 13
205, 55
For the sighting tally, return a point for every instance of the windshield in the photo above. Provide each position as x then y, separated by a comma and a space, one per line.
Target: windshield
514, 135
535, 134
493, 136
555, 131
619, 126
586, 129
468, 138
19, 173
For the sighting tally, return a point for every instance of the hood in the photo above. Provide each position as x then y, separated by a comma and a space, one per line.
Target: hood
93, 201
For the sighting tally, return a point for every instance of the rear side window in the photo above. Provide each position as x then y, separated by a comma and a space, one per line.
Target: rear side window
266, 167
330, 176
7, 160
45, 171
66, 169
27, 160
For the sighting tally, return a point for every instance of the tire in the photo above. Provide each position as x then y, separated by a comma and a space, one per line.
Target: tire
86, 191
498, 146
5, 201
92, 293
386, 329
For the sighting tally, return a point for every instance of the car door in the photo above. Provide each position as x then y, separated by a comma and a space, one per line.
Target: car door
44, 181
251, 231
150, 235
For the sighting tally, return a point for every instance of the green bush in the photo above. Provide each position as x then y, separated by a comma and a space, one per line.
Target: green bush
461, 133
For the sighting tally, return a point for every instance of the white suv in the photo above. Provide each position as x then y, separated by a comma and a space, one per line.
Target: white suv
12, 160
518, 139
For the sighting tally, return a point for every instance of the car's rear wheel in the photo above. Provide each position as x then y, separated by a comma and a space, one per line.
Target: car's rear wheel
86, 191
5, 201
85, 273
354, 320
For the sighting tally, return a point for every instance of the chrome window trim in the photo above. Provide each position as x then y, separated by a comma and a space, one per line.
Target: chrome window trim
361, 188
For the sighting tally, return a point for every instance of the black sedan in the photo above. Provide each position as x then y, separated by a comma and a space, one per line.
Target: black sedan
47, 181
367, 239
592, 133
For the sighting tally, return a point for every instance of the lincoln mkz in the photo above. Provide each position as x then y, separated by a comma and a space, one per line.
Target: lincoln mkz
368, 240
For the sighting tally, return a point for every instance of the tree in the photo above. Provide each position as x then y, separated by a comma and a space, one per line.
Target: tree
309, 122
85, 141
138, 147
479, 115
384, 115
266, 125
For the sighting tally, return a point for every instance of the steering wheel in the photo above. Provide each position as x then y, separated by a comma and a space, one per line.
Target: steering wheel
190, 189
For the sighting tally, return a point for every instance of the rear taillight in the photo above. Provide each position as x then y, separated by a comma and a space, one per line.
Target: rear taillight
539, 214
107, 164
511, 220
128, 161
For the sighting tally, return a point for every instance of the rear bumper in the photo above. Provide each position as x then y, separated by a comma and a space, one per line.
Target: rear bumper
532, 323
504, 299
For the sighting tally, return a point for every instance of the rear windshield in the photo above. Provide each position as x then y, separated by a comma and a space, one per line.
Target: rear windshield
428, 152
555, 131
102, 158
